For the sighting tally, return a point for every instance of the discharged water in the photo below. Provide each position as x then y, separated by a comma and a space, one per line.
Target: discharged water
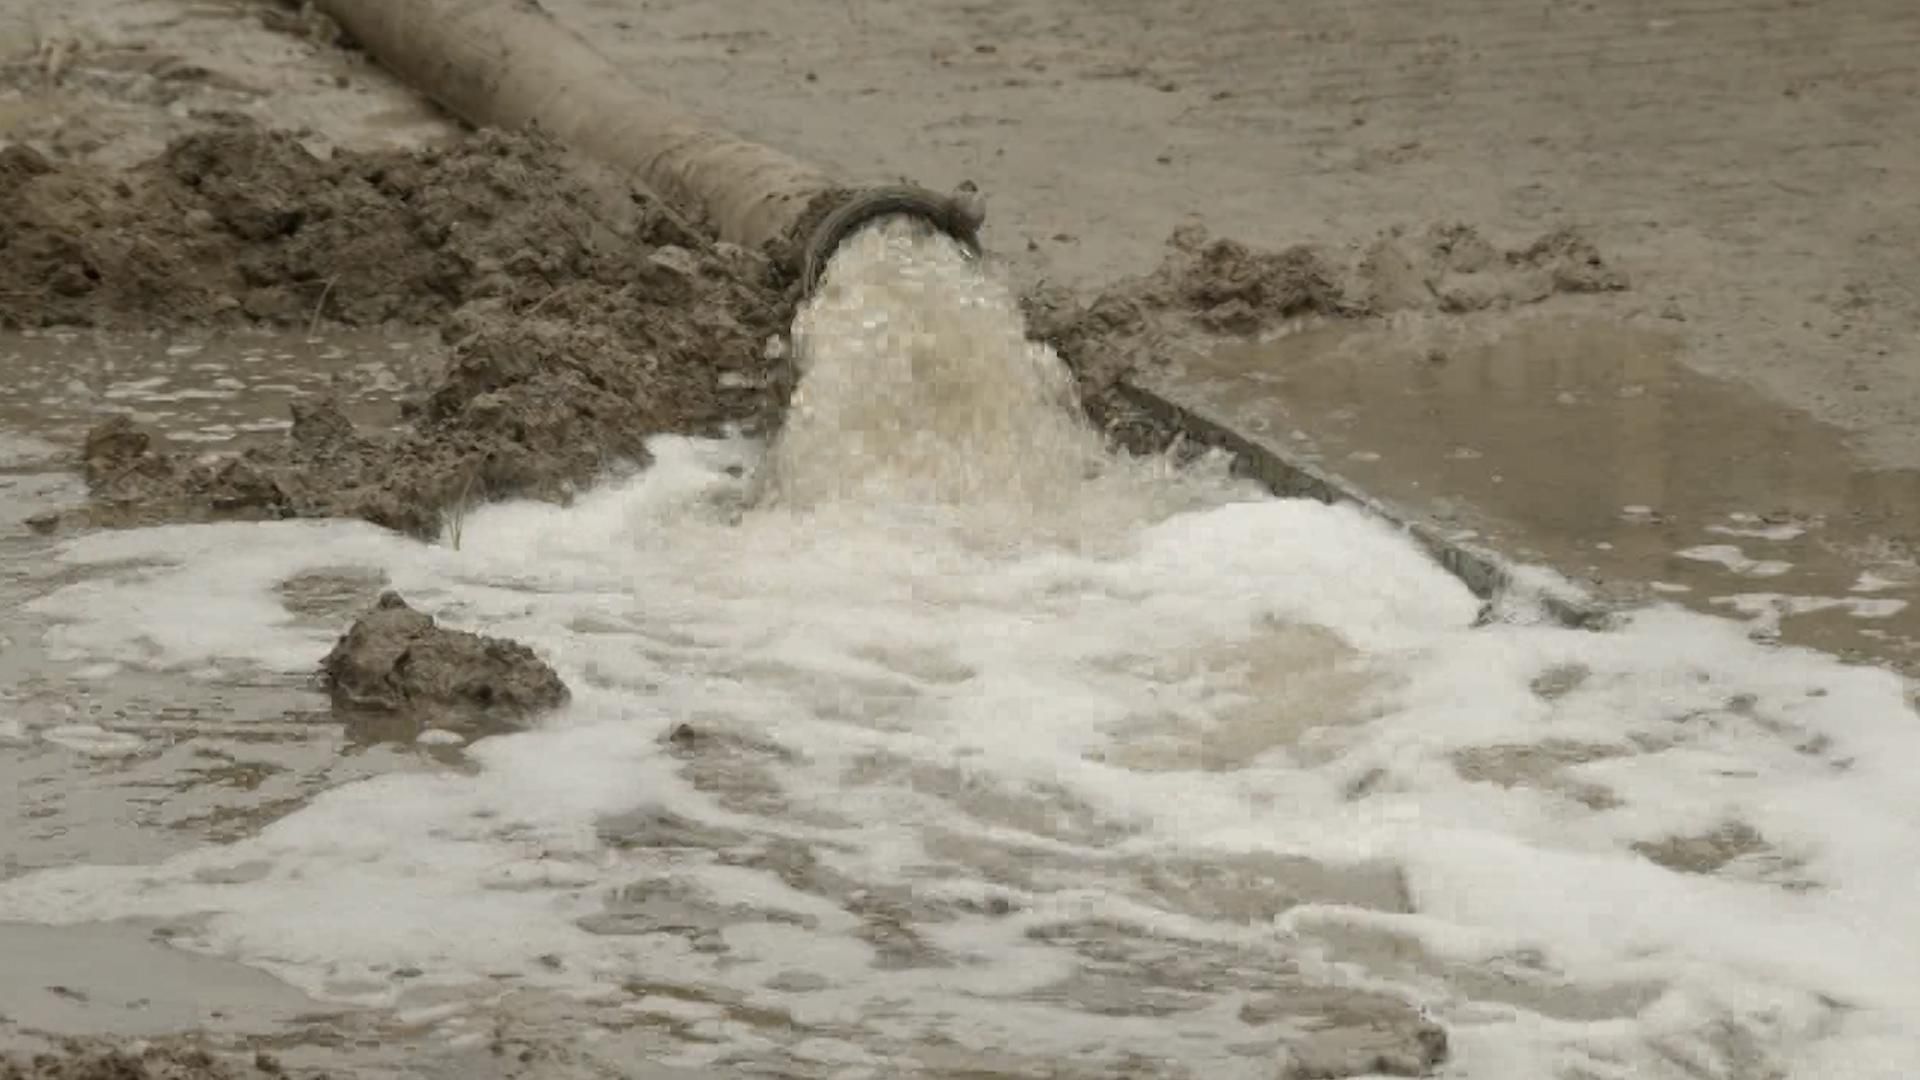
934, 741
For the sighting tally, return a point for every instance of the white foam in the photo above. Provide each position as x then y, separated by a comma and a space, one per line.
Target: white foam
237, 619
1731, 557
844, 635
24, 495
1868, 581
22, 450
1169, 675
1765, 610
94, 740
1772, 533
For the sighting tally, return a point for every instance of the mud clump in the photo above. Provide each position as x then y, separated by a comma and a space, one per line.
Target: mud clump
1452, 268
1229, 288
1225, 287
582, 319
1352, 1034
396, 668
1379, 1049
119, 457
1101, 342
81, 1061
1706, 853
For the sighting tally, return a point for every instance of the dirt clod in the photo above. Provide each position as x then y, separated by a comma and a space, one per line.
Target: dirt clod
1708, 852
395, 661
1228, 287
1383, 1050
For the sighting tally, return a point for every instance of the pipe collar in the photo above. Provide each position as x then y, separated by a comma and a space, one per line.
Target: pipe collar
958, 215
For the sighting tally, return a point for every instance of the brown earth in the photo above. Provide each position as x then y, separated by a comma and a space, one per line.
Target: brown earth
397, 664
88, 1060
1750, 165
582, 318
579, 322
1212, 287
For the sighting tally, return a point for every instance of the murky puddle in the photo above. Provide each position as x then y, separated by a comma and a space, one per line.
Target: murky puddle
135, 758
934, 742
1585, 446
219, 392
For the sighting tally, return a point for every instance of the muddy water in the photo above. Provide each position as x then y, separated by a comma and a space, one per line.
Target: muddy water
133, 760
200, 392
1585, 445
114, 761
933, 742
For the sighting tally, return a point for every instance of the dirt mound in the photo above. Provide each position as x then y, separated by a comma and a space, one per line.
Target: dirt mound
1224, 286
397, 664
1368, 1046
1227, 287
241, 224
1207, 286
1452, 268
582, 319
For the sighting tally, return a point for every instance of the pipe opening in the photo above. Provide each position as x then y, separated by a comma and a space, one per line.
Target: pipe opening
958, 215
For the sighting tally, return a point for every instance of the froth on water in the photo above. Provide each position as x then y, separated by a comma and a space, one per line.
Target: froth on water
841, 792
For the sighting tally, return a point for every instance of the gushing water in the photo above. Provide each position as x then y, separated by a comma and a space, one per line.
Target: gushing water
918, 385
844, 792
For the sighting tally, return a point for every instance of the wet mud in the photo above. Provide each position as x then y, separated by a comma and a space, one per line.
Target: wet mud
88, 1060
1368, 1043
1210, 288
245, 224
397, 672
580, 319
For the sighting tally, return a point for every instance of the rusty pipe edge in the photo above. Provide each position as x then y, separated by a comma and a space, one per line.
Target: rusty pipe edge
958, 215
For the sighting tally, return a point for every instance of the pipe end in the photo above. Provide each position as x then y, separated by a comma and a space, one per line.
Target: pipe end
958, 215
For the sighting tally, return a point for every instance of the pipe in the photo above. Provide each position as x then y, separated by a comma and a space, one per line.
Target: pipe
509, 64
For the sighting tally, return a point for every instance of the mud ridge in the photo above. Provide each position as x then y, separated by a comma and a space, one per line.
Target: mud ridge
1211, 287
99, 1059
581, 318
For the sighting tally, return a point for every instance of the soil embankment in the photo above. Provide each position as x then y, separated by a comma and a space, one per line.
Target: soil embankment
580, 318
